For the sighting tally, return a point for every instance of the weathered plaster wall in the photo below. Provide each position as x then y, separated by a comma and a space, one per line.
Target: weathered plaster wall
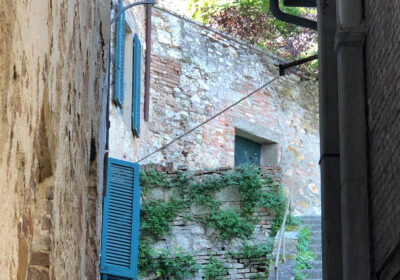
53, 58
197, 72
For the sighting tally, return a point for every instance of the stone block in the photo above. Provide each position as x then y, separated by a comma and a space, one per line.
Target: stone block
201, 244
46, 223
41, 242
228, 194
40, 259
37, 274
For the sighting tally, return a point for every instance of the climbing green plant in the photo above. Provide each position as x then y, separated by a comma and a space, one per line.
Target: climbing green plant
166, 265
304, 255
275, 201
176, 265
255, 190
255, 251
146, 257
157, 216
215, 269
250, 184
229, 224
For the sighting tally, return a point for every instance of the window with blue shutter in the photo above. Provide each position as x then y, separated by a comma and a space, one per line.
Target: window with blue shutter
120, 233
119, 58
137, 53
246, 151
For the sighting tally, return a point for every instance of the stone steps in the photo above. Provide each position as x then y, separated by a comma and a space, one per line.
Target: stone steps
313, 223
313, 273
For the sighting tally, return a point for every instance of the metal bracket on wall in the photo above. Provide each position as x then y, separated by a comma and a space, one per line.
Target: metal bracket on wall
300, 3
149, 2
283, 67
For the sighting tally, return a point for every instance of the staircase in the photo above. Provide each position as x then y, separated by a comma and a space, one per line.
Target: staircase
313, 223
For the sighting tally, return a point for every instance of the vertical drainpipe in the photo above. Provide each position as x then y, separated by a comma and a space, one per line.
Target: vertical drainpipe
350, 41
329, 139
148, 61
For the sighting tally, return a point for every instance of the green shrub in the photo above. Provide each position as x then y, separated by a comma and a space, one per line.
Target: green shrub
255, 251
274, 200
177, 265
250, 183
152, 178
157, 215
215, 269
229, 224
304, 255
146, 260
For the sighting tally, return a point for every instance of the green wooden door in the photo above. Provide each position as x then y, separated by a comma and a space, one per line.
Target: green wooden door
246, 151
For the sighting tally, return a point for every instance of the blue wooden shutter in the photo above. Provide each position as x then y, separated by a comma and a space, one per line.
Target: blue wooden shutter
119, 251
137, 53
246, 151
119, 58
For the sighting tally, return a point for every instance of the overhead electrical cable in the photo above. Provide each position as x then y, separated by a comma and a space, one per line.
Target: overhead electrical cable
210, 119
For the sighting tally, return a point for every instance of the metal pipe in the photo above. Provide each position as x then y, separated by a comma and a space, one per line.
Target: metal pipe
350, 44
148, 65
279, 14
329, 143
149, 2
283, 67
353, 159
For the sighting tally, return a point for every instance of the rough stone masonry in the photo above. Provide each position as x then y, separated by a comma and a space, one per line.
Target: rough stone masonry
53, 58
197, 72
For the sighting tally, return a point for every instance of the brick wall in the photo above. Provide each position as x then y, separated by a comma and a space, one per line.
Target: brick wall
383, 87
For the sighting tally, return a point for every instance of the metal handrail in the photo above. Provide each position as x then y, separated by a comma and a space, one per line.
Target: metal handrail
282, 241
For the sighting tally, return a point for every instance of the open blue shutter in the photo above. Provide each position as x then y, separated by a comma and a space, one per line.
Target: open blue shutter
119, 58
119, 251
137, 53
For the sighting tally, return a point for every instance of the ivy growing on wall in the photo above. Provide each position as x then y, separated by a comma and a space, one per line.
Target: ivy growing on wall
215, 269
255, 250
166, 265
186, 190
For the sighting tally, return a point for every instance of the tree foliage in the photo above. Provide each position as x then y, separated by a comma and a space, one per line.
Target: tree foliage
252, 21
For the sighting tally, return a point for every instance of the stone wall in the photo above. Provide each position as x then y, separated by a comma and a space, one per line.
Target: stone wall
53, 58
197, 72
383, 85
191, 236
